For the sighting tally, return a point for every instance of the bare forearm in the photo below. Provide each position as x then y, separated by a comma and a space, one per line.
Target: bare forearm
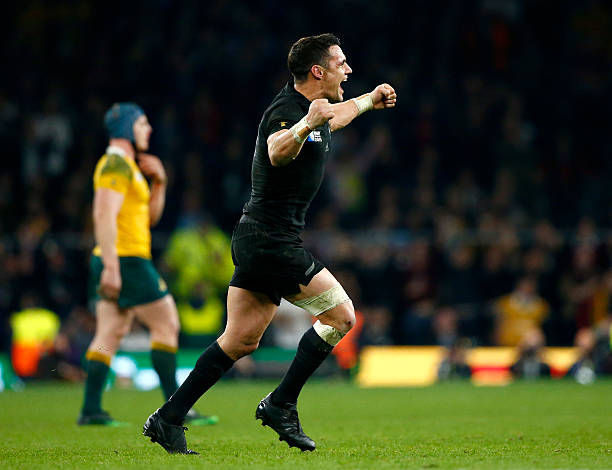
105, 230
157, 202
285, 145
345, 112
283, 149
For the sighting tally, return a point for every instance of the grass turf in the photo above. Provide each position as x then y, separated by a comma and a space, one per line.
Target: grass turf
557, 424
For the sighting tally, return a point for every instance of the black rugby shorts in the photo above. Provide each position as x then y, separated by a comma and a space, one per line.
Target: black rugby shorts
270, 261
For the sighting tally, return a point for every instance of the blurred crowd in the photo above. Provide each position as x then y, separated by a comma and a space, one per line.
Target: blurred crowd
479, 208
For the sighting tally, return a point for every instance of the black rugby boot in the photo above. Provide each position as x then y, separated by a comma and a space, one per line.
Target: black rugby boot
170, 436
285, 422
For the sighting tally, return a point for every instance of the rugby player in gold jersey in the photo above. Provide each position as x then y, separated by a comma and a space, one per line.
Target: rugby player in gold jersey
123, 280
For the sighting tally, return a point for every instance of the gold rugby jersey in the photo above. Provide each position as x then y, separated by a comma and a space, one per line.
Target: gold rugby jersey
120, 173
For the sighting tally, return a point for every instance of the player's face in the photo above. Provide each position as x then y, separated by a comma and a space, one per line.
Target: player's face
336, 72
142, 133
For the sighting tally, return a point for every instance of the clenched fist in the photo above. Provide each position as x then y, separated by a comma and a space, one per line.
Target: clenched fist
383, 96
319, 112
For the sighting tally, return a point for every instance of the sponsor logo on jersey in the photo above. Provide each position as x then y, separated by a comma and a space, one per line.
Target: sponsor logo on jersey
315, 136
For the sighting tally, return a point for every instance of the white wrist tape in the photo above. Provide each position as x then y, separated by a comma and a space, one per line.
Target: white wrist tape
364, 103
299, 129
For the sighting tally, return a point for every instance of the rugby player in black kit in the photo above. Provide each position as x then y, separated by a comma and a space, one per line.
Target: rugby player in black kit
293, 142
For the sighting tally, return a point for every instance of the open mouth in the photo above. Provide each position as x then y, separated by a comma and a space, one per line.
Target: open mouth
340, 89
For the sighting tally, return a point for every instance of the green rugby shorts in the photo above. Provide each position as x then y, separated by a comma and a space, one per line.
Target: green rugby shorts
140, 281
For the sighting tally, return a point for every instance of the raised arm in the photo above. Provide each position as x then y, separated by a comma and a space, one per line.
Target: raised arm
285, 145
383, 96
152, 167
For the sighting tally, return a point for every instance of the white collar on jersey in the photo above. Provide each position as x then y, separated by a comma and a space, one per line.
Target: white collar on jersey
112, 149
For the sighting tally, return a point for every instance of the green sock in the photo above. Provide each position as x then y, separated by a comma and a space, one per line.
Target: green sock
164, 362
97, 371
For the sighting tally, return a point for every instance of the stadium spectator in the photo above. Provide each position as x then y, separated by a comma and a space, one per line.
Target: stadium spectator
197, 251
51, 137
595, 354
201, 314
454, 365
496, 278
529, 364
579, 285
519, 311
446, 326
376, 326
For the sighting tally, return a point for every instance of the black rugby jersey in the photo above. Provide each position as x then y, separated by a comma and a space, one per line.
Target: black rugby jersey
280, 196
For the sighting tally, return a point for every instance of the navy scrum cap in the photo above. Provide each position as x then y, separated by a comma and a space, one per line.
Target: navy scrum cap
120, 118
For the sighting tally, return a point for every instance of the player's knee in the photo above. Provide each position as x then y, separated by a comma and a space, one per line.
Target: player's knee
244, 348
165, 330
119, 332
109, 340
174, 326
236, 347
344, 317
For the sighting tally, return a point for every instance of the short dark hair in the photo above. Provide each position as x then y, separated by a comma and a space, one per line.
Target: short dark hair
309, 51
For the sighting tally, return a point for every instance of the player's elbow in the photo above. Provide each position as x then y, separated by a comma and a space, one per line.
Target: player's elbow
153, 220
278, 159
276, 162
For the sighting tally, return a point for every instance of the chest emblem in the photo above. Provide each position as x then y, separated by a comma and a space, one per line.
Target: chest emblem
315, 136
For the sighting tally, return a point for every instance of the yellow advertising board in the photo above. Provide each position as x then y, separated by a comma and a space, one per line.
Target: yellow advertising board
403, 366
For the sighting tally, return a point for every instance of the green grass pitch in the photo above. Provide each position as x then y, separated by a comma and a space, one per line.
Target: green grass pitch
557, 424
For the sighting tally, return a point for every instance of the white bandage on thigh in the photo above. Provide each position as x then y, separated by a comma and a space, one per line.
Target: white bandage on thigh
324, 301
328, 333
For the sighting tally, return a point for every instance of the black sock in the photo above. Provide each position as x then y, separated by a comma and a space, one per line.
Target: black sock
164, 363
209, 368
311, 352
